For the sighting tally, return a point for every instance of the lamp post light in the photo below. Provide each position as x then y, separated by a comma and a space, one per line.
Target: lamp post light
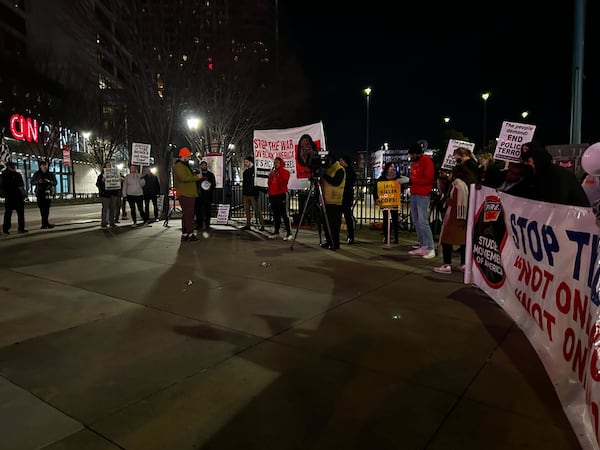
525, 114
485, 97
193, 124
367, 92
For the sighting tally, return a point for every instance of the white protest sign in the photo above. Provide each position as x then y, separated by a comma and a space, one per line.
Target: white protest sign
214, 163
140, 154
453, 144
512, 136
223, 213
112, 178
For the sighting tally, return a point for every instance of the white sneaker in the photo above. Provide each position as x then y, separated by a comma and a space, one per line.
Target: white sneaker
460, 267
444, 268
287, 238
420, 251
430, 254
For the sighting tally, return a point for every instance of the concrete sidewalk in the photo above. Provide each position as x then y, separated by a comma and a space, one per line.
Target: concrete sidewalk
127, 339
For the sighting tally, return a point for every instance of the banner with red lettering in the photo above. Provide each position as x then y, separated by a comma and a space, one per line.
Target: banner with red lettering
539, 262
283, 143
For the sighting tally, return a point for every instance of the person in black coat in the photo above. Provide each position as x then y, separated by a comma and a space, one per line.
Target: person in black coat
44, 182
348, 198
14, 189
550, 182
250, 194
206, 186
151, 191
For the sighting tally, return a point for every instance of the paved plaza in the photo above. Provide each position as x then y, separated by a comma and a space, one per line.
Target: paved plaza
129, 339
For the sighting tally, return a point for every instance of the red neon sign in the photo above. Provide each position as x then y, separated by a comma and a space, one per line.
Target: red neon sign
24, 128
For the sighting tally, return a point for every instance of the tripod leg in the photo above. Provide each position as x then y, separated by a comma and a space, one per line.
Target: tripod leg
308, 200
324, 212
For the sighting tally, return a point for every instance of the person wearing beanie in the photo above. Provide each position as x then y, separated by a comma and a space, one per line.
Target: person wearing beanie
185, 187
250, 194
422, 176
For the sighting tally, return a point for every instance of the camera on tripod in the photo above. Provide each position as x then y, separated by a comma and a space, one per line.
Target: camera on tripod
316, 161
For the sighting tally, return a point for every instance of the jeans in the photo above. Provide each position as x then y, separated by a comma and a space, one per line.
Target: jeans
109, 210
419, 214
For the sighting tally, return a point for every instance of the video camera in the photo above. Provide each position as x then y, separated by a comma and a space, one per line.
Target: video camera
316, 161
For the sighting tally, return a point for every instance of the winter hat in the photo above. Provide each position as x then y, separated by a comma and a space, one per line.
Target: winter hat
415, 149
249, 158
184, 152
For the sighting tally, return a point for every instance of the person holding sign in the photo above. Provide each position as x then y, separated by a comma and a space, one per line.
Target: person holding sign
133, 190
108, 184
454, 225
389, 174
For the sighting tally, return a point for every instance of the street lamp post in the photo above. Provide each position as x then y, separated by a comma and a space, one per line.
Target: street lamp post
525, 114
485, 97
367, 92
193, 124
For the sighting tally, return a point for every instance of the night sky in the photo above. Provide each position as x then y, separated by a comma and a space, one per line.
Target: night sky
425, 61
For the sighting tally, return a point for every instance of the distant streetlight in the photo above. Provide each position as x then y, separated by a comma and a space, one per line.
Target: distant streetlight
485, 97
525, 114
194, 124
446, 119
367, 92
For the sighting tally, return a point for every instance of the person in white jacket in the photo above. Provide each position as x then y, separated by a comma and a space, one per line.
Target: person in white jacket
132, 190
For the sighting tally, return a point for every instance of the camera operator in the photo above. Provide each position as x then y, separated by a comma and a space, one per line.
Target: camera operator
332, 181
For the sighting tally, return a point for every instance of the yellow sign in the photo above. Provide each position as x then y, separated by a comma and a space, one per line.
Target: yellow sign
388, 193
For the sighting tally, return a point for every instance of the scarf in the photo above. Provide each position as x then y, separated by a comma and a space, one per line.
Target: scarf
462, 198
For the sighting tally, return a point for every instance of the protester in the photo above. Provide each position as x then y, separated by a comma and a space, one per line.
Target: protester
278, 188
14, 198
250, 194
44, 183
550, 182
389, 173
463, 155
348, 198
133, 190
185, 186
333, 181
206, 185
109, 199
490, 170
454, 224
151, 191
516, 180
422, 174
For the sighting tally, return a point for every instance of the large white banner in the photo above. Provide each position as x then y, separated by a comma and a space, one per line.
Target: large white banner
283, 143
539, 262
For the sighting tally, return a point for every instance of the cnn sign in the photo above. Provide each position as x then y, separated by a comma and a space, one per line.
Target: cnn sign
24, 128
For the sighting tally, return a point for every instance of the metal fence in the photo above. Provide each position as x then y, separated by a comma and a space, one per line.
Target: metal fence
366, 213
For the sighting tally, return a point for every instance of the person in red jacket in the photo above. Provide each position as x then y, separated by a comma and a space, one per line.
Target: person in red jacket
278, 187
422, 175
